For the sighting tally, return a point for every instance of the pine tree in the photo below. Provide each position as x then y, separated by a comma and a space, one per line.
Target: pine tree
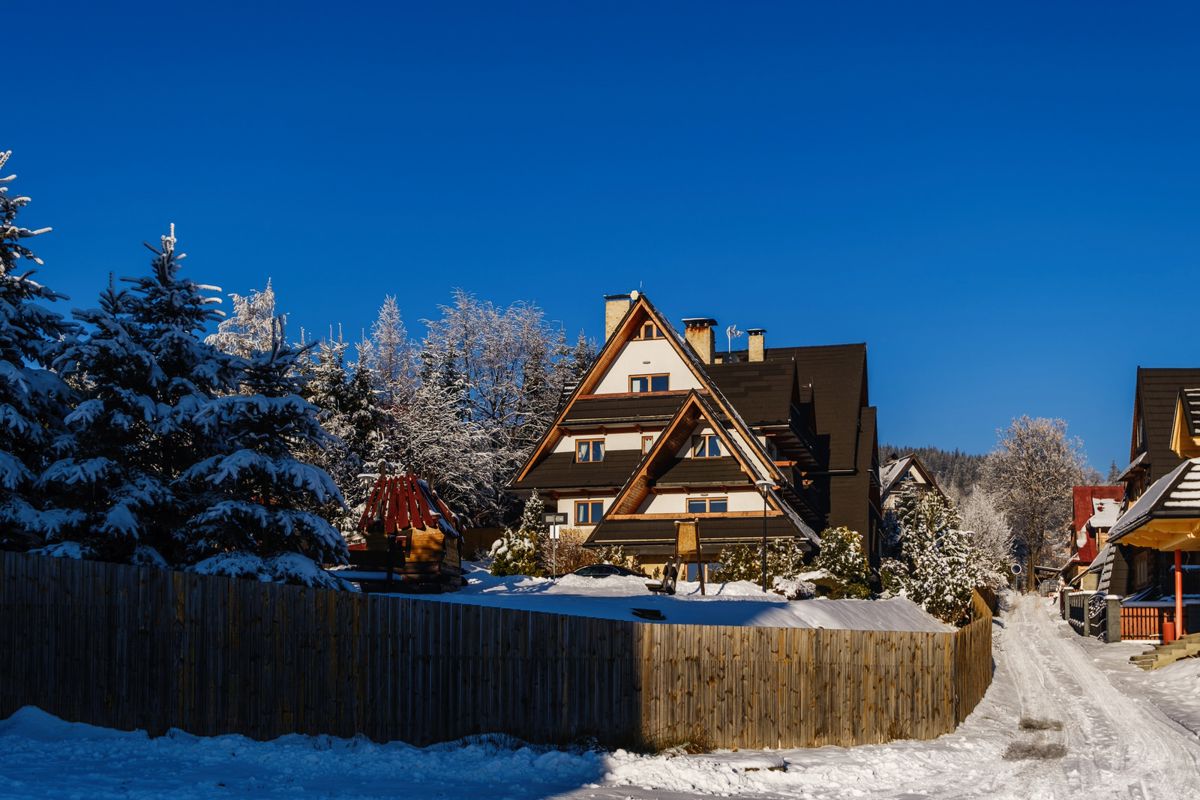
108, 487
389, 357
346, 410
263, 502
32, 398
843, 558
144, 376
519, 552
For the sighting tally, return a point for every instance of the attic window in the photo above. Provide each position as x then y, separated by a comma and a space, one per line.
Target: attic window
707, 446
707, 505
649, 383
649, 330
647, 443
588, 512
589, 450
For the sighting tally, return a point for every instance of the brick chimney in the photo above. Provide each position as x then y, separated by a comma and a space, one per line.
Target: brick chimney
756, 339
700, 335
615, 306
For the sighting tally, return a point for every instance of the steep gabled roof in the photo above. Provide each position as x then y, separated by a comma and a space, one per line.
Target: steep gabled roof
640, 311
1173, 497
1185, 429
1155, 401
891, 473
696, 411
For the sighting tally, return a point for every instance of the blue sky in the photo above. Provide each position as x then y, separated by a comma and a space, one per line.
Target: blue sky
1001, 201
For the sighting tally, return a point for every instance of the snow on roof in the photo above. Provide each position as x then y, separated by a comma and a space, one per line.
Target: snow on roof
1176, 494
739, 603
892, 470
1106, 513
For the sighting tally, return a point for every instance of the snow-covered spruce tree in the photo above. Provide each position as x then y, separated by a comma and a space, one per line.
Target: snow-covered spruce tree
263, 514
109, 489
519, 552
843, 558
741, 562
346, 410
939, 567
389, 357
249, 328
32, 398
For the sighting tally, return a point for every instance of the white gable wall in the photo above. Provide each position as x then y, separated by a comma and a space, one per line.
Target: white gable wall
646, 357
676, 502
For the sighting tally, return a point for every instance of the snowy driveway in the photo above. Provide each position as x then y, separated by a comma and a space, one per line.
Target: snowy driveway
1117, 745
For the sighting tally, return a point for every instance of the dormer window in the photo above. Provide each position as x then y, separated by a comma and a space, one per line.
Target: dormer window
649, 383
589, 450
649, 330
707, 446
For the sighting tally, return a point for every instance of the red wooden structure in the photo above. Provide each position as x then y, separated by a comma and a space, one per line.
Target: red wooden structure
410, 541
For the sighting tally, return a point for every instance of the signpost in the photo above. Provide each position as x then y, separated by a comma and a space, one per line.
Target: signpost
554, 520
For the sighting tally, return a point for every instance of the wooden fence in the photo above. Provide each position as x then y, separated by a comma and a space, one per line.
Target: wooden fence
132, 647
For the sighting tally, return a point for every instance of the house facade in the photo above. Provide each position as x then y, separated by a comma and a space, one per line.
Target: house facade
1095, 509
904, 471
663, 428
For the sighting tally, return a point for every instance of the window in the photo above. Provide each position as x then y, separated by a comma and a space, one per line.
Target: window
707, 505
588, 512
649, 383
649, 331
647, 443
589, 450
707, 446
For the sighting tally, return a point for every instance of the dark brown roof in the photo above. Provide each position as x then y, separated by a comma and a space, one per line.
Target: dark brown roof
560, 471
703, 471
623, 408
654, 535
761, 391
1157, 394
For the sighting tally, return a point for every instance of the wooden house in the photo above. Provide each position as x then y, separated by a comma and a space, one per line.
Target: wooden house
904, 471
663, 428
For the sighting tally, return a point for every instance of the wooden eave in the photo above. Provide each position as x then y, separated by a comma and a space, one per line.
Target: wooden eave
1185, 438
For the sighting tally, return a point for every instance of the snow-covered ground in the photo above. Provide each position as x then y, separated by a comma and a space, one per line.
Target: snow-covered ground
736, 603
1100, 711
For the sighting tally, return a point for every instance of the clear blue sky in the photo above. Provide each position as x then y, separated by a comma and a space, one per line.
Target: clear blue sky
1001, 202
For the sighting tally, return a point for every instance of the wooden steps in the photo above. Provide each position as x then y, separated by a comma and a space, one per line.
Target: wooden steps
1164, 654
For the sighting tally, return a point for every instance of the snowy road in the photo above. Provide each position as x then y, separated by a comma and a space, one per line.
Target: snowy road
1083, 738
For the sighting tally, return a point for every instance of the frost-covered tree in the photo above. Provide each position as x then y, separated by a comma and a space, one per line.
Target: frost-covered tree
263, 501
519, 552
389, 356
32, 398
939, 566
618, 556
1030, 476
743, 562
843, 558
249, 328
990, 535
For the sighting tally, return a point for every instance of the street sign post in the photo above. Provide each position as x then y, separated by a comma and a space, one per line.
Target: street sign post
554, 520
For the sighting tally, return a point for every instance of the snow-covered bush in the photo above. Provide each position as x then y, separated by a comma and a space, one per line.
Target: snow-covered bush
568, 554
743, 562
32, 398
843, 558
291, 568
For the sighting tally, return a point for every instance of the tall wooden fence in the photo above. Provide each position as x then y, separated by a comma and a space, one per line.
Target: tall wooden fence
131, 647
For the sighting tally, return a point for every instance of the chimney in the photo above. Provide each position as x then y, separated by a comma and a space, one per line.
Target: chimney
700, 335
757, 350
615, 306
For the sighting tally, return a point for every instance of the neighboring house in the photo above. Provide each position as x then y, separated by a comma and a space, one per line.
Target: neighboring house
1095, 510
902, 471
1166, 432
664, 428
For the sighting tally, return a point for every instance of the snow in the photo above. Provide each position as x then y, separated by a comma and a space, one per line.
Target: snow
735, 603
292, 568
1107, 714
73, 550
